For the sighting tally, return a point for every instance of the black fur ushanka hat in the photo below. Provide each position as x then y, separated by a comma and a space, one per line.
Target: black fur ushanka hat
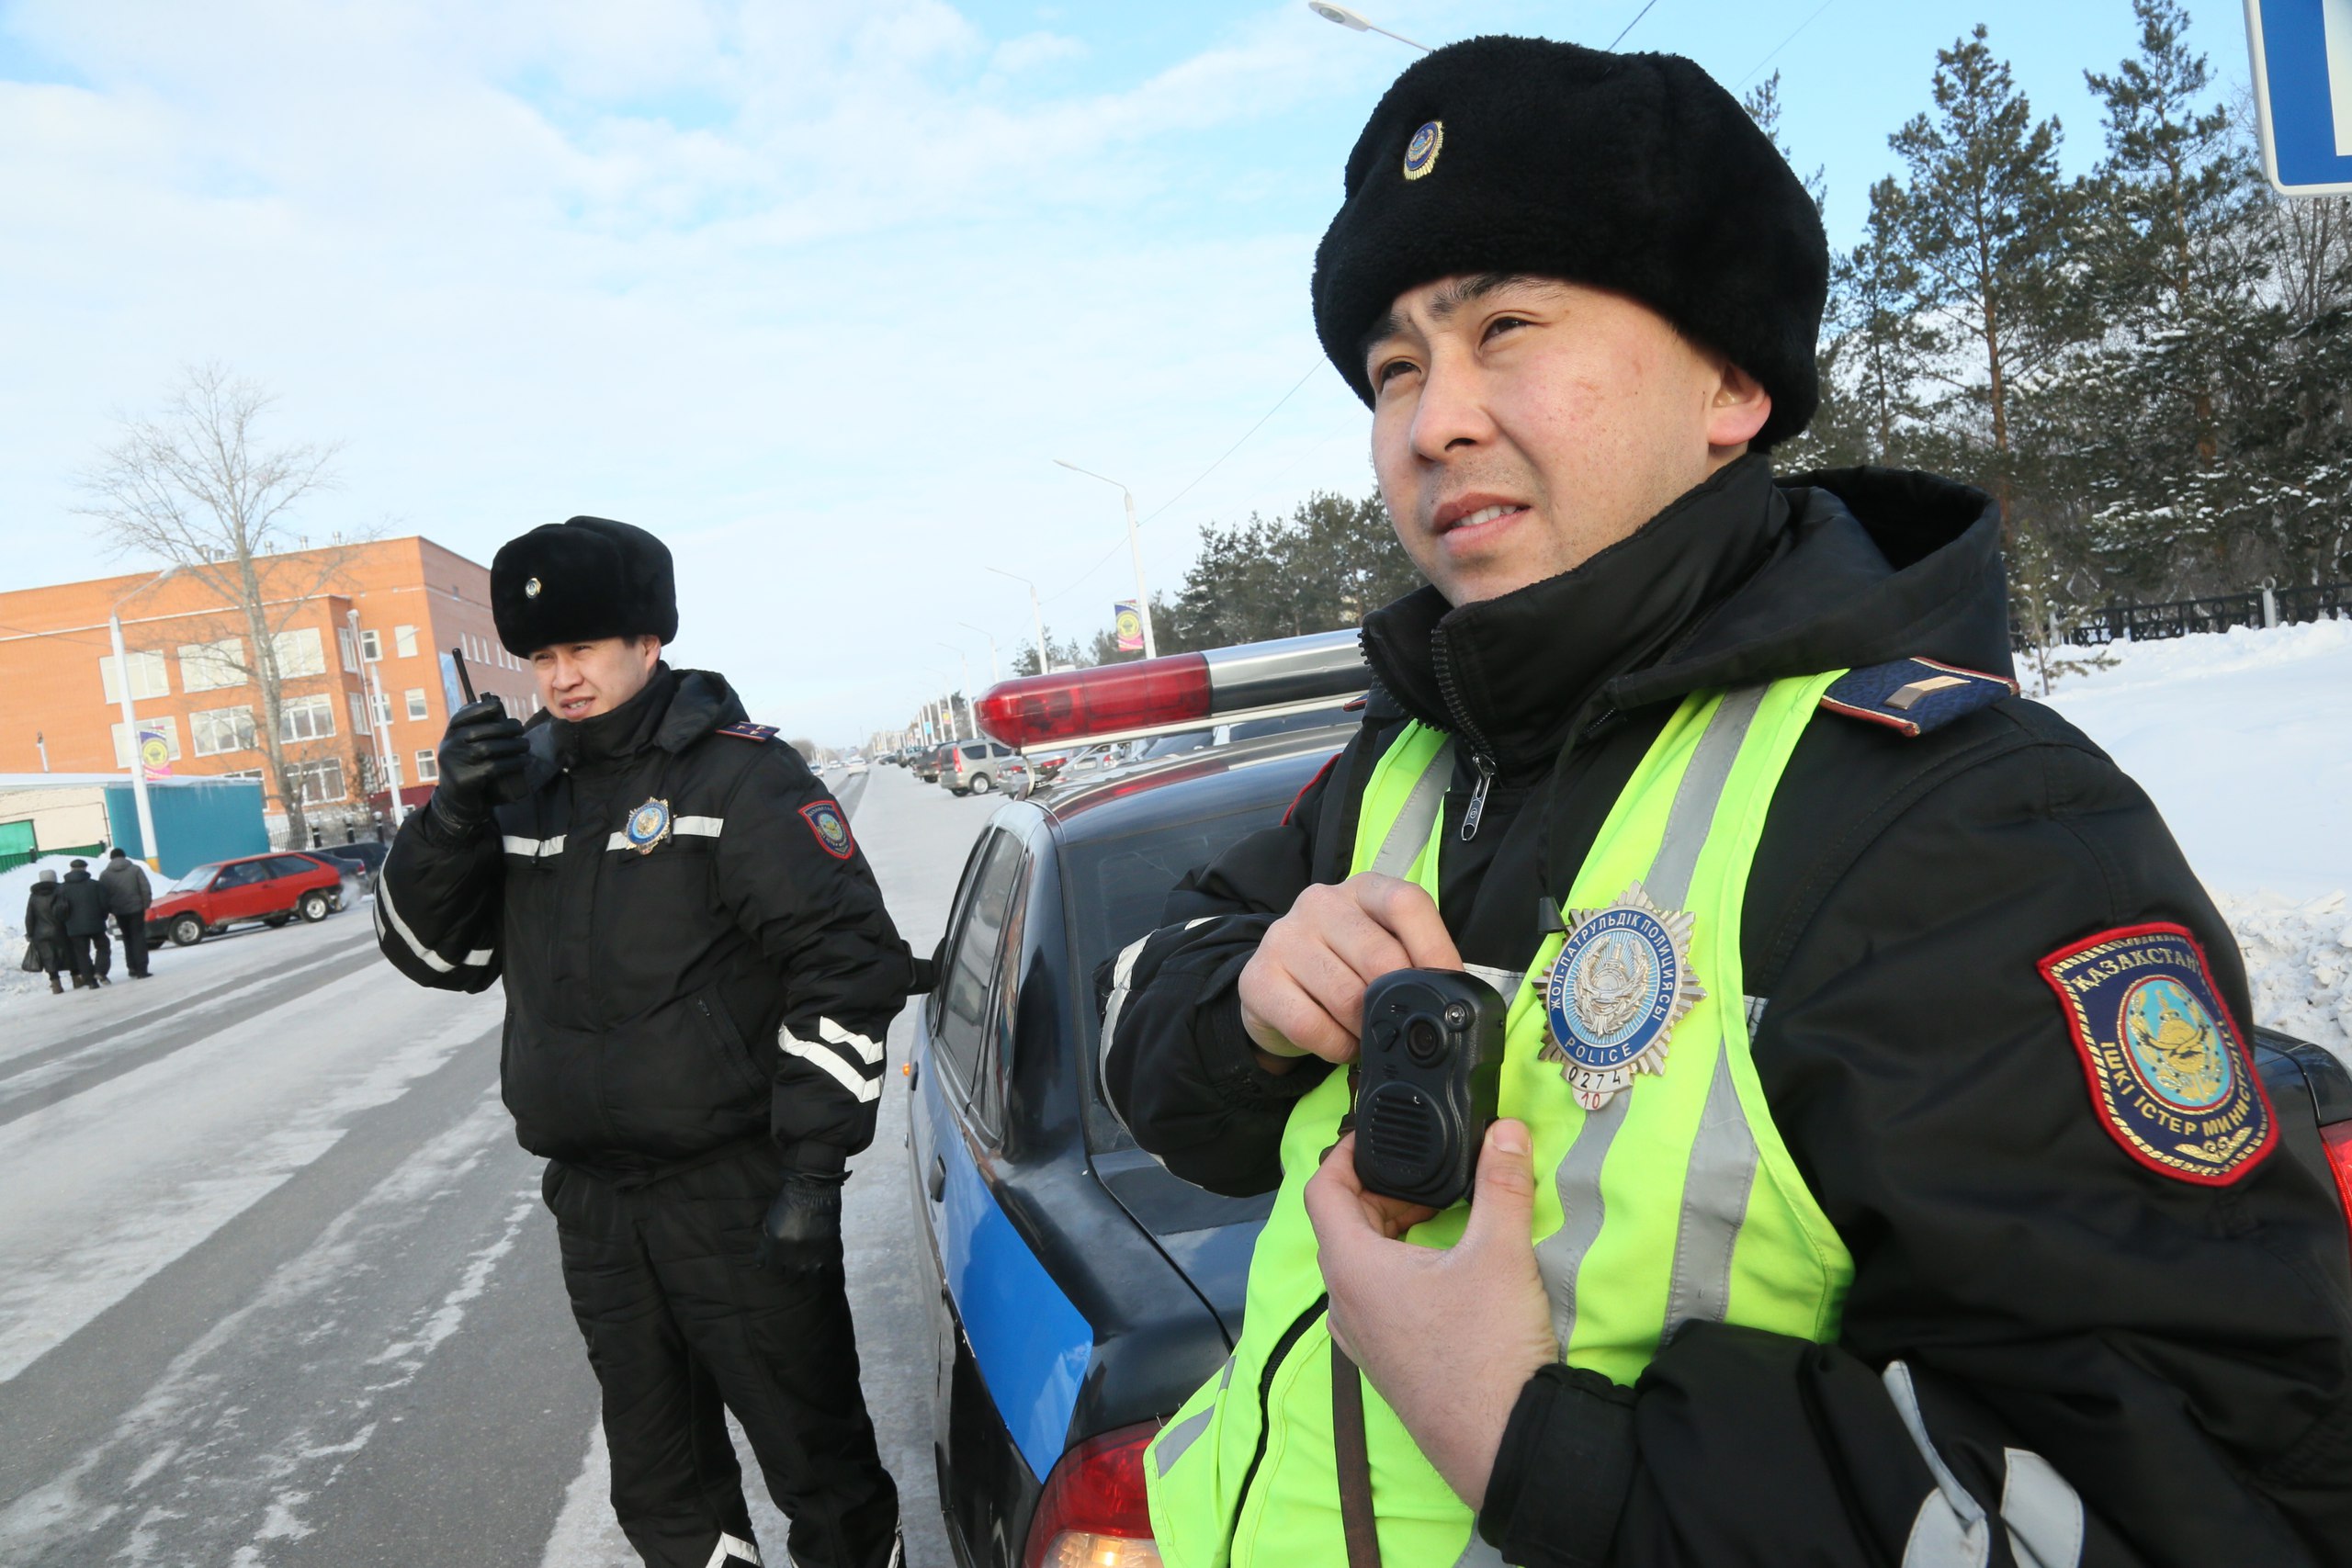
580, 580
1634, 173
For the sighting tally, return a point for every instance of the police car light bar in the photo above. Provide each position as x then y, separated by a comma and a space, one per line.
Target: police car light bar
1183, 690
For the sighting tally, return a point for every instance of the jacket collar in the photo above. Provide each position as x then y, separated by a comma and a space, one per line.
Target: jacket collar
1510, 675
675, 709
1739, 580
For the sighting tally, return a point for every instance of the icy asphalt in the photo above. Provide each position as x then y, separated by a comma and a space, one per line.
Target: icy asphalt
276, 1287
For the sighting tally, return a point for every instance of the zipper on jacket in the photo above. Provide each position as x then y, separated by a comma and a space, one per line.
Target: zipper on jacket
1482, 755
1274, 1359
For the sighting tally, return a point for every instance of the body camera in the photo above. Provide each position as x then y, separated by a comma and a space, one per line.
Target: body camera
1425, 1090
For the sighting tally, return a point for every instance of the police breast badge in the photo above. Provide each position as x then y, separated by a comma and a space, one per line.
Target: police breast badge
2169, 1074
825, 820
647, 827
1620, 984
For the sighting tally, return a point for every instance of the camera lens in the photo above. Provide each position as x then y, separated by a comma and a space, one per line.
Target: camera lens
1422, 1040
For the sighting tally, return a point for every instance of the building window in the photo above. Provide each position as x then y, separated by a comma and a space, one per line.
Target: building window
318, 782
209, 666
383, 706
416, 702
305, 719
300, 652
404, 641
240, 774
392, 767
165, 726
358, 714
371, 646
350, 648
149, 677
216, 730
428, 767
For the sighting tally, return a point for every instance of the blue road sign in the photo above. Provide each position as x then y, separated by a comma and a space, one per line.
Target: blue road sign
2302, 93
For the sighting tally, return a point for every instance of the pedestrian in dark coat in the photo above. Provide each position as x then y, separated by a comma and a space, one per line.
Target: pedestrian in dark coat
128, 895
45, 930
84, 903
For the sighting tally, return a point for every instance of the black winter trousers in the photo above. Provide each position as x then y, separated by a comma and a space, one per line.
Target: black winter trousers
134, 941
93, 956
682, 1324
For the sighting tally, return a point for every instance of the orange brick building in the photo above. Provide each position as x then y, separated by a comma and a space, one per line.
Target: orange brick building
347, 687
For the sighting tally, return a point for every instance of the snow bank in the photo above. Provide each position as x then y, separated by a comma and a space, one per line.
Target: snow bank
2243, 739
2299, 964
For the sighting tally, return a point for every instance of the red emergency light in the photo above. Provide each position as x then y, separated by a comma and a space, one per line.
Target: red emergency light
1183, 690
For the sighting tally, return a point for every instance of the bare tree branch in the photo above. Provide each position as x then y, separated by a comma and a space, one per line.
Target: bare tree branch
195, 487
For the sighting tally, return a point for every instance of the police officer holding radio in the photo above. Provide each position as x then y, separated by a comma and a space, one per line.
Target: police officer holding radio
699, 975
1879, 1174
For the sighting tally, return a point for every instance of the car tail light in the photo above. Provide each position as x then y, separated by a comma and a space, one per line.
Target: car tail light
2338, 1139
1183, 690
1092, 1513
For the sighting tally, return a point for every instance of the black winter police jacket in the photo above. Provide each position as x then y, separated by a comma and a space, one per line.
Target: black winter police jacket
2178, 1355
735, 978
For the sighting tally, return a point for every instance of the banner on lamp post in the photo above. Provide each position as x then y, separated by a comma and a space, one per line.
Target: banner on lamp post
154, 755
1126, 621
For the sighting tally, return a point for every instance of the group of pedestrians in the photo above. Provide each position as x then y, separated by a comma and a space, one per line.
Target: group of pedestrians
65, 921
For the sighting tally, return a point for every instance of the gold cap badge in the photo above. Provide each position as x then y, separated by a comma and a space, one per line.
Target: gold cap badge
531, 589
1420, 154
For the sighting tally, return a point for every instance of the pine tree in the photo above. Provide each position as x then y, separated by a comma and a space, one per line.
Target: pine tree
1986, 219
2175, 265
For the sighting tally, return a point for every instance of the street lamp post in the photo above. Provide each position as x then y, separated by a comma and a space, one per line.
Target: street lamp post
130, 716
1134, 550
963, 685
992, 637
377, 712
1036, 614
1355, 21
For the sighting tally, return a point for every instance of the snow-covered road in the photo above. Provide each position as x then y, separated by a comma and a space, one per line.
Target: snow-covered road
278, 1287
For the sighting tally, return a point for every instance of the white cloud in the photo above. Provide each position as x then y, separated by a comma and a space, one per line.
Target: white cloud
812, 291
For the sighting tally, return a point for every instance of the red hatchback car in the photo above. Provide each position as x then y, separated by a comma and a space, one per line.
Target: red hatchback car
271, 888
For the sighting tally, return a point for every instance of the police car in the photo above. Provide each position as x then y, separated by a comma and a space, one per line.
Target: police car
1078, 1292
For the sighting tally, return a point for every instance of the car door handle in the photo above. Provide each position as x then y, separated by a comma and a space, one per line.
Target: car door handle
938, 1177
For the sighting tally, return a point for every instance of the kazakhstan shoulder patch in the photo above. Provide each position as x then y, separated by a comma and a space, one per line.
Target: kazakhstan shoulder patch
2169, 1074
1914, 695
825, 820
747, 730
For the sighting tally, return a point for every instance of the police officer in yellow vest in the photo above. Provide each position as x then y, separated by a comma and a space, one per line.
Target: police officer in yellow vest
1884, 1177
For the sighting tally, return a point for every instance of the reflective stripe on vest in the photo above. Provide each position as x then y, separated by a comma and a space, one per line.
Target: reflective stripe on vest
1676, 1201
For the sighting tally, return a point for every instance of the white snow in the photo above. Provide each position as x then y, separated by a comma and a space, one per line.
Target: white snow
2243, 740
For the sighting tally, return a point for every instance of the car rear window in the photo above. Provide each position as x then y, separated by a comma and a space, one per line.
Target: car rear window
1117, 888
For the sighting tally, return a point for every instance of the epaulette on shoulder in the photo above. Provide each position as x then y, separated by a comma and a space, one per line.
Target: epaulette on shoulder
1914, 695
747, 730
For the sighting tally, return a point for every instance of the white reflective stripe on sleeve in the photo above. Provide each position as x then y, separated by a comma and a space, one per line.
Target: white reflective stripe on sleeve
731, 1546
1950, 1530
816, 1054
386, 914
2045, 1515
384, 907
1123, 974
828, 1029
699, 826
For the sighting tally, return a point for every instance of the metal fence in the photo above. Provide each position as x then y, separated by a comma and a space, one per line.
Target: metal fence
2217, 613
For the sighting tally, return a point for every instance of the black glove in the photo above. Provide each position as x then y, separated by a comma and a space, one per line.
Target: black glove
483, 757
802, 1234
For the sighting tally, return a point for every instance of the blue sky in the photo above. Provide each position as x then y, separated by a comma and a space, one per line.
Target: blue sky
816, 291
